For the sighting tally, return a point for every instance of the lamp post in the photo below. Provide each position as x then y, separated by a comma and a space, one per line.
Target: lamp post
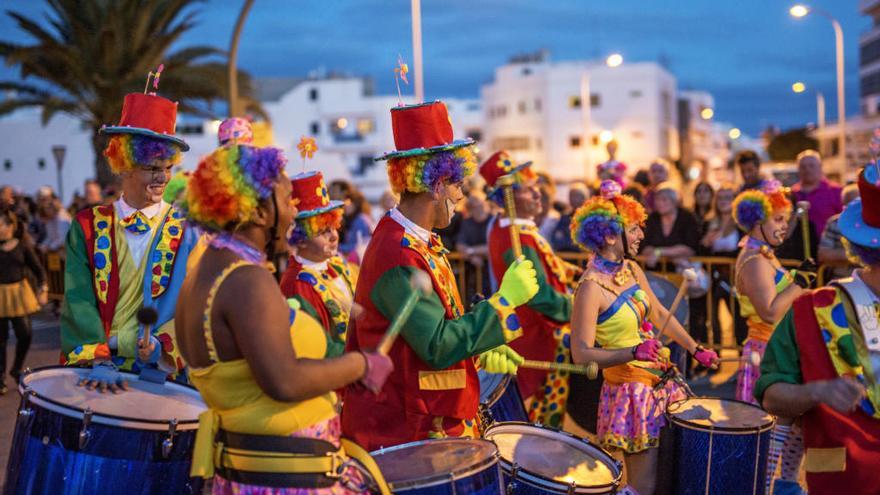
800, 87
418, 80
799, 11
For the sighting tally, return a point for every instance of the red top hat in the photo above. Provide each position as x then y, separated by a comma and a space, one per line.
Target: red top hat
498, 165
311, 194
148, 115
422, 129
860, 220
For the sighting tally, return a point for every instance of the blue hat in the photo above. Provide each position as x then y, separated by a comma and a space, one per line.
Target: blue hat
860, 220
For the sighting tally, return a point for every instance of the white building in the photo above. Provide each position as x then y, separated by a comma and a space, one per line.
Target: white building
350, 124
561, 114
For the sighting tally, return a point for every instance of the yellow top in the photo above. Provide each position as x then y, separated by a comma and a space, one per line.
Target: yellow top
237, 404
618, 326
758, 328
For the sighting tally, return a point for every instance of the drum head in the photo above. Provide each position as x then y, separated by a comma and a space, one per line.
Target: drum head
429, 462
553, 457
143, 402
491, 385
665, 292
709, 413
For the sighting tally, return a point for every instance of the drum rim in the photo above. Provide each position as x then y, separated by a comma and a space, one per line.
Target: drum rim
29, 394
552, 483
684, 423
440, 478
496, 394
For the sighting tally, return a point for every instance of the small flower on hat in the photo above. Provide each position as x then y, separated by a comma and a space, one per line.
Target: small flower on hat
307, 147
400, 72
505, 163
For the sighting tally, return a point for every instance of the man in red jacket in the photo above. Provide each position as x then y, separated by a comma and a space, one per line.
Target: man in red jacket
823, 362
545, 319
434, 390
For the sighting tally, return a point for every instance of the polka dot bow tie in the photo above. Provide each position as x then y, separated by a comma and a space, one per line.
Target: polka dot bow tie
136, 223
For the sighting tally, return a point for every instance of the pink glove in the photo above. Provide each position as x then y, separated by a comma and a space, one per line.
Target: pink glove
705, 357
648, 350
379, 366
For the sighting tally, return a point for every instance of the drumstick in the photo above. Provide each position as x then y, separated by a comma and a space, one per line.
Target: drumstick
754, 358
590, 370
147, 317
803, 208
421, 282
689, 275
507, 181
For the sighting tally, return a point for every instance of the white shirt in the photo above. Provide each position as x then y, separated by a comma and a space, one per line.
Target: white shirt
525, 222
410, 227
138, 243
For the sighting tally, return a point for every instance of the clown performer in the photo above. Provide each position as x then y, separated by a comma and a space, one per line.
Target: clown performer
434, 389
612, 169
545, 318
130, 254
822, 363
317, 277
272, 424
763, 214
614, 307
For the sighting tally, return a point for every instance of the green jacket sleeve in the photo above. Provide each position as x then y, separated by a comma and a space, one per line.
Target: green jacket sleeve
80, 322
547, 301
438, 341
781, 362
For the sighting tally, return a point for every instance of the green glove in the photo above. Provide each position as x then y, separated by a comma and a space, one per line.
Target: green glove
520, 282
501, 360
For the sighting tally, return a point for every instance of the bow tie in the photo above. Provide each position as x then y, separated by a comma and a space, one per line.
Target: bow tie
436, 244
136, 223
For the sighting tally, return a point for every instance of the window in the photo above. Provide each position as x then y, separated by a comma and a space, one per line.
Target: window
538, 105
366, 126
511, 143
574, 102
574, 141
526, 71
7, 164
315, 128
636, 93
365, 162
637, 135
595, 100
501, 111
538, 143
190, 129
313, 94
41, 163
475, 134
521, 107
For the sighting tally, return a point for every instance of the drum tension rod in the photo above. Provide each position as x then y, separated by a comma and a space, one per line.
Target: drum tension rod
84, 433
511, 486
25, 411
168, 443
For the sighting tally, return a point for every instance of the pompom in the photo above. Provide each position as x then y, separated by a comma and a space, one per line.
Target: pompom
124, 152
424, 173
307, 228
229, 184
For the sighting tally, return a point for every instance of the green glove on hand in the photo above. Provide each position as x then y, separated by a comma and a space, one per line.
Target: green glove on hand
501, 360
520, 283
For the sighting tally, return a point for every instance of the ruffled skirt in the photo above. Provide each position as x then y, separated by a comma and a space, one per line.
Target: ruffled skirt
632, 414
749, 372
17, 299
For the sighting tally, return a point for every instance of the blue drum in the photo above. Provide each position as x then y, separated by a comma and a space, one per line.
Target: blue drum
538, 460
719, 446
70, 440
447, 466
500, 399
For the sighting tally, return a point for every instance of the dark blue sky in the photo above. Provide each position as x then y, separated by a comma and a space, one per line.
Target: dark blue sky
746, 53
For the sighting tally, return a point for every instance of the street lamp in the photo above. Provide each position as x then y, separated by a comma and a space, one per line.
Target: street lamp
800, 87
734, 133
799, 11
614, 60
707, 113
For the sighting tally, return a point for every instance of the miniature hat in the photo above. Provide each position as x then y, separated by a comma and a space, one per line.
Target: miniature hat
311, 194
498, 165
148, 115
860, 220
237, 129
422, 129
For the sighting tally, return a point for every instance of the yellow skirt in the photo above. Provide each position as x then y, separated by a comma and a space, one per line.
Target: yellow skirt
17, 299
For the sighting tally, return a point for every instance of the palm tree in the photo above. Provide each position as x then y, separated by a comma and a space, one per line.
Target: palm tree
90, 53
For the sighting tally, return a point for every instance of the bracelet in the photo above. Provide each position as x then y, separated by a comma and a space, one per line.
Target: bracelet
633, 350
697, 349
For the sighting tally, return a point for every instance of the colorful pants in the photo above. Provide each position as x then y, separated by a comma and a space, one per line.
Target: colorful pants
331, 431
631, 415
749, 372
548, 405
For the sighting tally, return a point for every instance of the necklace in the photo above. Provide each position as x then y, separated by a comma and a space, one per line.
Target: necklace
608, 267
762, 246
225, 240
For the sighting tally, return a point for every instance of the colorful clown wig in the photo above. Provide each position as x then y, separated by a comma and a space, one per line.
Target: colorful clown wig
229, 184
427, 172
753, 207
521, 176
176, 186
124, 152
607, 214
307, 228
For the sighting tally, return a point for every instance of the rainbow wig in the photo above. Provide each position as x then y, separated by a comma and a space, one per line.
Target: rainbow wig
520, 176
605, 215
427, 172
124, 152
306, 228
755, 206
229, 184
